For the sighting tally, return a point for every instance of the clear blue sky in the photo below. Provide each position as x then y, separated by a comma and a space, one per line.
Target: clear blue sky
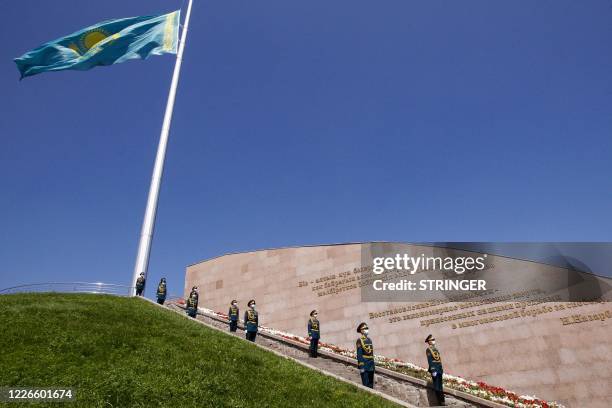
304, 123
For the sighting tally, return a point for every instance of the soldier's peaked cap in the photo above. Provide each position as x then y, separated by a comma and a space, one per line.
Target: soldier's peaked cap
361, 326
313, 312
251, 302
430, 337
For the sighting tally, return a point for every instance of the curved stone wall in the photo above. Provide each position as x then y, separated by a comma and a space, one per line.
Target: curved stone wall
558, 351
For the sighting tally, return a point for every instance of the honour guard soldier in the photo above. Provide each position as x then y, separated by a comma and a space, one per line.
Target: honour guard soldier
140, 284
195, 292
314, 333
161, 291
365, 356
232, 315
435, 367
251, 320
192, 306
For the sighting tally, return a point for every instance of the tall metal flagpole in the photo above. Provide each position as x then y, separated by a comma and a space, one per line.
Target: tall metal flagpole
148, 225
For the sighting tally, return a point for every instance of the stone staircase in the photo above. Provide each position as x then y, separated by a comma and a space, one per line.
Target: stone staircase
399, 388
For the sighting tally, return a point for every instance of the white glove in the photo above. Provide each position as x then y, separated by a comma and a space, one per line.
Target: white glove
362, 370
434, 374
245, 331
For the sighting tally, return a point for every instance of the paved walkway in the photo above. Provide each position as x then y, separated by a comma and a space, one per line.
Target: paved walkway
410, 393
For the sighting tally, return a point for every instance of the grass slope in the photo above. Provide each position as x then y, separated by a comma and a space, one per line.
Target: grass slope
122, 352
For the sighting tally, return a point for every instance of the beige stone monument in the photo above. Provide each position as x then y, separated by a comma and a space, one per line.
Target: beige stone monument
520, 337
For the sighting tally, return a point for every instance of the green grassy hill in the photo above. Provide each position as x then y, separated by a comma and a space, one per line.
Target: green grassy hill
122, 352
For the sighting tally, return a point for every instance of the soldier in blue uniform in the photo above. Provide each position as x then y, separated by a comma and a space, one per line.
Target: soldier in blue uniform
314, 333
251, 320
140, 284
192, 305
195, 292
161, 291
365, 356
232, 315
435, 367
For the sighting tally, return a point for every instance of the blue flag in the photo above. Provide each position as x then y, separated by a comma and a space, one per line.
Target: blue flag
107, 43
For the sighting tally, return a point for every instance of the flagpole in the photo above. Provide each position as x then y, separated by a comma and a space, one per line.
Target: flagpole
148, 224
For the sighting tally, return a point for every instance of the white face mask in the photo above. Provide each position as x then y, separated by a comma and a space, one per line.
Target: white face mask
365, 332
433, 342
253, 307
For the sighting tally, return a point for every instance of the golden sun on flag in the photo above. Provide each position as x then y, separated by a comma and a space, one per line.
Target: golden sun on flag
89, 39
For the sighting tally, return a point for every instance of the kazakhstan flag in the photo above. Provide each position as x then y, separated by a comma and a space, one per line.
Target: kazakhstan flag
107, 43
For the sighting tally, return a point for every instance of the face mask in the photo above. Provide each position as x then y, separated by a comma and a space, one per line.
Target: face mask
253, 307
433, 342
315, 315
365, 332
233, 304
